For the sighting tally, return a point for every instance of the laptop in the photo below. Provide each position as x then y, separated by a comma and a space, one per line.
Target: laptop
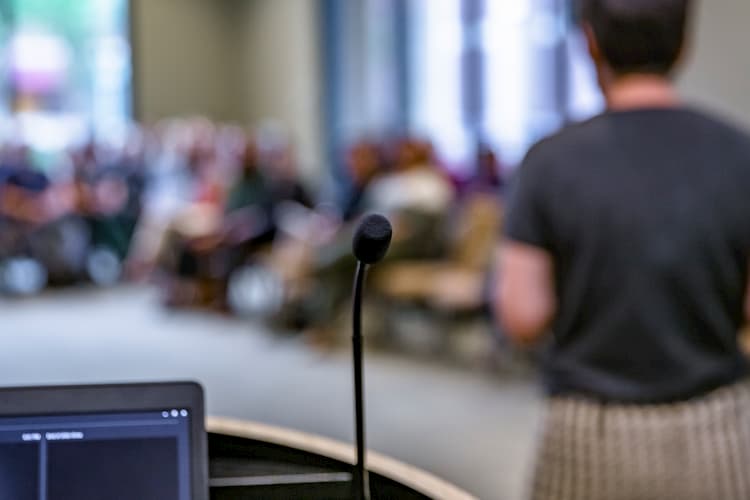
132, 441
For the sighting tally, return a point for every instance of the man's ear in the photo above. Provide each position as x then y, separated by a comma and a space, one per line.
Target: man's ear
594, 50
603, 72
683, 56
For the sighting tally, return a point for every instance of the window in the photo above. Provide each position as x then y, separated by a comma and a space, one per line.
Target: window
437, 91
65, 72
500, 72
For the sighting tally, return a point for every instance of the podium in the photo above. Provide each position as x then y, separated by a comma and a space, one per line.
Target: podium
249, 460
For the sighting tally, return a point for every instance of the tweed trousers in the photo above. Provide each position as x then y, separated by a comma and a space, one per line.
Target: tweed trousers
693, 450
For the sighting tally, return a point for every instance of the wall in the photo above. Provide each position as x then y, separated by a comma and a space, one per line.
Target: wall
250, 60
185, 59
718, 72
240, 60
281, 74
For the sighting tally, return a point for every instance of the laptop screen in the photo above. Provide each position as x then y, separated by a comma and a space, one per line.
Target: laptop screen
143, 455
101, 452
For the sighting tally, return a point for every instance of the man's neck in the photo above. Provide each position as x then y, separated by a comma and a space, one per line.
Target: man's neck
640, 91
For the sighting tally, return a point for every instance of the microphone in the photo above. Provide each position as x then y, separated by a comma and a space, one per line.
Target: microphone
372, 239
370, 244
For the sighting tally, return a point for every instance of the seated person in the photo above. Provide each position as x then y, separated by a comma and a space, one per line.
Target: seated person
110, 191
19, 201
364, 163
200, 263
43, 212
283, 178
487, 176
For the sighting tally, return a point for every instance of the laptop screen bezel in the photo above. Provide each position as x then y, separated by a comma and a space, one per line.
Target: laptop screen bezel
119, 398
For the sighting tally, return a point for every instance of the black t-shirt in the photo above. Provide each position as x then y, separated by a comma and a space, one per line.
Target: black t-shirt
646, 215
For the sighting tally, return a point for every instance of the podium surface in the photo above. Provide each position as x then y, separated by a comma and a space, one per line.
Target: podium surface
249, 460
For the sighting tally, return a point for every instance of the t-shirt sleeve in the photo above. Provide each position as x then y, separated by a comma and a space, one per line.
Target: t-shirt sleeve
527, 217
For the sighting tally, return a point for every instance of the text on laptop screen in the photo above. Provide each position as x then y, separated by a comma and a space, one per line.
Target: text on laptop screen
144, 456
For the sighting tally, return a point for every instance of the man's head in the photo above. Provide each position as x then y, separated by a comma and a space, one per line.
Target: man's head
636, 36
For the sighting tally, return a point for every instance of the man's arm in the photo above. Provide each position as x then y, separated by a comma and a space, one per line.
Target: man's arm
525, 300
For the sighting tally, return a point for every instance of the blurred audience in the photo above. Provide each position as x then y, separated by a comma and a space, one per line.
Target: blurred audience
217, 215
412, 192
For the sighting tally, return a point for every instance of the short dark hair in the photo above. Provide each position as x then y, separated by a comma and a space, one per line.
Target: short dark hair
638, 36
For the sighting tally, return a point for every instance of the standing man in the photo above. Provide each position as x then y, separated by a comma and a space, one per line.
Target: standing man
628, 238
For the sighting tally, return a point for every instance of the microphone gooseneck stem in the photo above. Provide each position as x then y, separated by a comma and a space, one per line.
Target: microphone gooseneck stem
361, 483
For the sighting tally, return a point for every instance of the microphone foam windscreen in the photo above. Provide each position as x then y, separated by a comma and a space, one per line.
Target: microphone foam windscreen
372, 239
